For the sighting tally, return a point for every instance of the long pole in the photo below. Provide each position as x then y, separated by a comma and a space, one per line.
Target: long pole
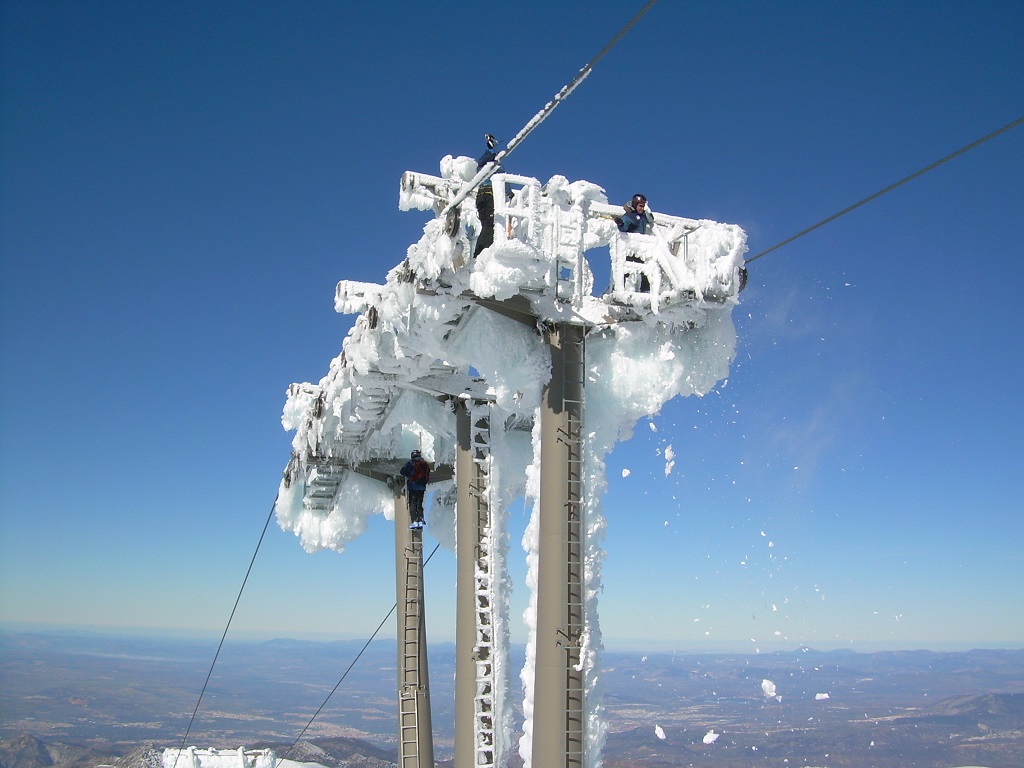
491, 168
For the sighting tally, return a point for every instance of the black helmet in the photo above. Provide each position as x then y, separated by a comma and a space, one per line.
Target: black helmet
491, 141
416, 455
637, 198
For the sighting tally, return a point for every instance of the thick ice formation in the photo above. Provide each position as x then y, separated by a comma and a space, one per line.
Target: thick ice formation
447, 326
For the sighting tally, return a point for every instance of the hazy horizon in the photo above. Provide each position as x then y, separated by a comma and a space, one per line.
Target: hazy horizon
613, 645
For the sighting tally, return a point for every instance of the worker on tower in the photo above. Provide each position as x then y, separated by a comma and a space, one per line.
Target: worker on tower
485, 198
417, 474
637, 219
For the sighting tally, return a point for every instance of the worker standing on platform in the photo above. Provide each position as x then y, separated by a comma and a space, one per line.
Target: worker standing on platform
417, 474
637, 219
485, 198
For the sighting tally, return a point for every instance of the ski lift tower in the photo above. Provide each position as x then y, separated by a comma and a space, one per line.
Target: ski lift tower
418, 340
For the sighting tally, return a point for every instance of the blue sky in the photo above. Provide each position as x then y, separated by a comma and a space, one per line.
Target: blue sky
183, 186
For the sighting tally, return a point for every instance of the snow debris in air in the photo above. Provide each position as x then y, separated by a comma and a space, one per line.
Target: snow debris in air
768, 689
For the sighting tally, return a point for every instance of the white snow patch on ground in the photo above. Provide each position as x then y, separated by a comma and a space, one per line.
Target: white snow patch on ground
228, 758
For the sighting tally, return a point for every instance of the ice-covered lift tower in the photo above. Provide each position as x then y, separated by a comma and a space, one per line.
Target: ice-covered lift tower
515, 380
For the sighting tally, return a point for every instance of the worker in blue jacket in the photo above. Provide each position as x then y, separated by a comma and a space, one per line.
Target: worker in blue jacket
637, 219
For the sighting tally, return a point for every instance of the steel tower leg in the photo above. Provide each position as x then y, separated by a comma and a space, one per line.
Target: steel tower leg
476, 687
558, 707
415, 737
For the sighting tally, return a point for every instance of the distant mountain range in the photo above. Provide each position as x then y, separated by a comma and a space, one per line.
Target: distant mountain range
986, 729
84, 701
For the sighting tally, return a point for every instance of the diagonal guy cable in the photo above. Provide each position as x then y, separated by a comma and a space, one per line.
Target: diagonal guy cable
891, 187
345, 674
226, 628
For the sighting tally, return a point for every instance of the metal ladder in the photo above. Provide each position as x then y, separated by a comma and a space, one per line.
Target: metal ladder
573, 401
412, 630
484, 747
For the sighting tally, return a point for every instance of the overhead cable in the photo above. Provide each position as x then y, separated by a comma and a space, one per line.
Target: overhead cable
891, 187
226, 628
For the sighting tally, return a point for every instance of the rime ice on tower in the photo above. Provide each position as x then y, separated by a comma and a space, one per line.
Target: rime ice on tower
496, 368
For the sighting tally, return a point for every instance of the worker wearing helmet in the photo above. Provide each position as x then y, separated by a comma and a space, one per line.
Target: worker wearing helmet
417, 474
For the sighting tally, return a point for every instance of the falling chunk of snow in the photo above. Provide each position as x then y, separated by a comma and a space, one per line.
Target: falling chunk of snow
820, 696
670, 460
768, 689
653, 426
659, 732
625, 473
711, 737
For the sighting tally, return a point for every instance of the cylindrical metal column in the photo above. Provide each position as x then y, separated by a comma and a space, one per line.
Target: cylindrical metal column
415, 737
558, 711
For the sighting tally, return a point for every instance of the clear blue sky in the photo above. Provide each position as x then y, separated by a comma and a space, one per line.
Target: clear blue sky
184, 184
